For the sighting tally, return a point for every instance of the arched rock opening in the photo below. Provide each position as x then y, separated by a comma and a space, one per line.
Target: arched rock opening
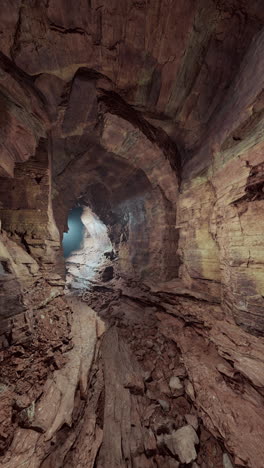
73, 238
150, 115
91, 259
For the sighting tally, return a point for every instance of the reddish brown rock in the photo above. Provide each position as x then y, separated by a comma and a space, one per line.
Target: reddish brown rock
150, 115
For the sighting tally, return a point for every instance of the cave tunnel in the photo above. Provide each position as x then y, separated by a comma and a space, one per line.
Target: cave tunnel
87, 250
73, 239
131, 234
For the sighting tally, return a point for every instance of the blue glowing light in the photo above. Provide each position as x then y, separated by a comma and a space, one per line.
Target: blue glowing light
73, 238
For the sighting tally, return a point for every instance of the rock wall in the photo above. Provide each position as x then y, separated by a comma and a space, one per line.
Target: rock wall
220, 214
150, 114
24, 117
30, 243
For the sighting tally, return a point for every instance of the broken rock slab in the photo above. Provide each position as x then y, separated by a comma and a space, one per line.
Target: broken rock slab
226, 461
182, 443
192, 420
176, 386
189, 390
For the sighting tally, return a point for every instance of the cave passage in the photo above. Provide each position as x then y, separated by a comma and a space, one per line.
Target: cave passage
88, 257
136, 338
73, 238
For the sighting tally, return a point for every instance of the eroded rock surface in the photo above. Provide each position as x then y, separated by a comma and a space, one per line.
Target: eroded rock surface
148, 114
111, 403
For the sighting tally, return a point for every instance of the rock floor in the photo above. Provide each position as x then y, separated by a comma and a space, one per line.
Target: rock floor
121, 389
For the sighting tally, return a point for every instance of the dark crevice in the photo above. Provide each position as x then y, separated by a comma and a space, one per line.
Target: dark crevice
23, 241
254, 186
25, 80
63, 30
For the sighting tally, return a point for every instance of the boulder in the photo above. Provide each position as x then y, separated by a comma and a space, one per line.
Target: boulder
182, 443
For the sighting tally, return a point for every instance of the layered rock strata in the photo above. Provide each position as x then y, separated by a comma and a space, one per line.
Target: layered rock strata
150, 114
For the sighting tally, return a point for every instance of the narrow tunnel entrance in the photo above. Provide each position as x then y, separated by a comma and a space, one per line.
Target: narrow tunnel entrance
87, 249
73, 238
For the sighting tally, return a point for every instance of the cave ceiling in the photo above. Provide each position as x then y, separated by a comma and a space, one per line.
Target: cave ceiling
174, 61
149, 115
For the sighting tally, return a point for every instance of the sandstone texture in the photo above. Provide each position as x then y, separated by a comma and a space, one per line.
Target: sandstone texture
144, 348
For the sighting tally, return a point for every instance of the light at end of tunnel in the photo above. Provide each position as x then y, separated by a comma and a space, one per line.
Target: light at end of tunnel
72, 239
